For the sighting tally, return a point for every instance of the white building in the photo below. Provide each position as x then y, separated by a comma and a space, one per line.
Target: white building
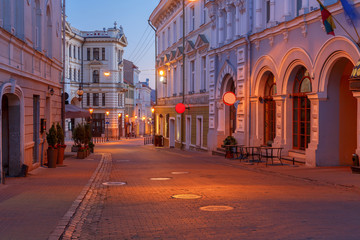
30, 75
94, 62
289, 76
189, 130
143, 107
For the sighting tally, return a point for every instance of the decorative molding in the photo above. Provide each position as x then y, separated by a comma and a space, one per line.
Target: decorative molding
286, 35
304, 29
271, 40
257, 44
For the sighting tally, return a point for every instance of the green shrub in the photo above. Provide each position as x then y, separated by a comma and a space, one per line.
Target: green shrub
51, 136
60, 134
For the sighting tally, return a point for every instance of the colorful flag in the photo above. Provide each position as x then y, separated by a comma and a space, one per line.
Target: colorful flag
349, 10
327, 19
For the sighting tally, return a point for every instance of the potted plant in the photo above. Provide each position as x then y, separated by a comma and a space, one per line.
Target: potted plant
229, 140
91, 146
81, 153
52, 152
87, 137
60, 144
76, 135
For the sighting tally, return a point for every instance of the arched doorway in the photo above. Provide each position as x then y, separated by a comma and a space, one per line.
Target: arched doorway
301, 109
269, 110
10, 126
338, 116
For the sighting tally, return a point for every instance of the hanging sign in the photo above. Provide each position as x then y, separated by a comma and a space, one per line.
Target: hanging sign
229, 98
180, 108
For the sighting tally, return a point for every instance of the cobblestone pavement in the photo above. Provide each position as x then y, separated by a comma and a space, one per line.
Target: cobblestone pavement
263, 206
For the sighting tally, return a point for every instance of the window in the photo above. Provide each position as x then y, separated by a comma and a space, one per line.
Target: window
298, 7
79, 75
174, 32
70, 55
70, 72
301, 109
96, 76
38, 25
268, 12
79, 53
174, 80
119, 60
192, 77
269, 110
203, 74
103, 53
88, 99
169, 38
203, 12
120, 99
75, 52
88, 54
96, 53
181, 26
192, 18
74, 74
103, 99
95, 99
163, 41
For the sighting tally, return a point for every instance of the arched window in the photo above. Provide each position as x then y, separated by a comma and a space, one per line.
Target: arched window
49, 33
96, 76
301, 109
269, 110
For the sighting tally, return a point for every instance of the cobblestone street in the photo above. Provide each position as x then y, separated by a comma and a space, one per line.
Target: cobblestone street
262, 205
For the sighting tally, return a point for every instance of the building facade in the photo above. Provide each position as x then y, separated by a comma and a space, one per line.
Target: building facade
143, 108
30, 75
190, 129
289, 76
94, 64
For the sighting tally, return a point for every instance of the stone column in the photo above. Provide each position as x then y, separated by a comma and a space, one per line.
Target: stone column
279, 140
357, 96
221, 31
229, 33
258, 23
287, 10
237, 19
213, 10
304, 7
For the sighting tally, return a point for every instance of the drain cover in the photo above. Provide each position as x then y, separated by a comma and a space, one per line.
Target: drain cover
178, 173
122, 160
216, 208
186, 196
114, 183
160, 178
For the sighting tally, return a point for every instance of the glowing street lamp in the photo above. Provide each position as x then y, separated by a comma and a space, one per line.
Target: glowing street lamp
107, 125
106, 74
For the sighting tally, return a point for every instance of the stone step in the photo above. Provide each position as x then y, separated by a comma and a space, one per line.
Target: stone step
292, 159
218, 153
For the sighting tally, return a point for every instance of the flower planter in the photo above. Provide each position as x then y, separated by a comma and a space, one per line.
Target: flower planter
52, 155
81, 154
60, 158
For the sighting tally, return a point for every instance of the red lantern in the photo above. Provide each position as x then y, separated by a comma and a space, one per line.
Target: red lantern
180, 108
229, 98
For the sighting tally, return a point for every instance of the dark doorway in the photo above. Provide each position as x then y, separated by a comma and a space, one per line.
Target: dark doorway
98, 124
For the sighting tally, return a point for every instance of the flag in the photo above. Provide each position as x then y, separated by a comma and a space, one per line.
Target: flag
327, 19
349, 10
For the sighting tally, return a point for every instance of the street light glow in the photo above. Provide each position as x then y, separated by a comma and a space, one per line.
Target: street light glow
152, 110
107, 113
91, 110
135, 117
161, 73
127, 115
119, 114
106, 74
143, 118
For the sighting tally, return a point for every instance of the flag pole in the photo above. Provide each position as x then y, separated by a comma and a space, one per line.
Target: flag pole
345, 30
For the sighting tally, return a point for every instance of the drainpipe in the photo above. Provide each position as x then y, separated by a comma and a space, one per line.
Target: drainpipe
63, 74
156, 76
247, 38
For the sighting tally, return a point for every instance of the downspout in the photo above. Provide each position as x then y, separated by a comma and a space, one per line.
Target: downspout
247, 38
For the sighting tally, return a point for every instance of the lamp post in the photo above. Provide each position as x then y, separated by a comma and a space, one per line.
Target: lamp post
119, 124
126, 124
91, 110
107, 125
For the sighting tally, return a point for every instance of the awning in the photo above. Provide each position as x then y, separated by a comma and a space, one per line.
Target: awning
72, 111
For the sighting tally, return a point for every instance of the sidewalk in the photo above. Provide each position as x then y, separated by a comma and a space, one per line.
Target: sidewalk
38, 201
334, 176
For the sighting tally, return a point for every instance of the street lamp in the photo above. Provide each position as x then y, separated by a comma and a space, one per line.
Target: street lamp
91, 110
107, 125
119, 124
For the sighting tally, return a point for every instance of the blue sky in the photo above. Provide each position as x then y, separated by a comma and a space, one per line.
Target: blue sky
133, 15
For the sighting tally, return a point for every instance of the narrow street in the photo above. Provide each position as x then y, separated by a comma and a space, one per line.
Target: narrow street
243, 204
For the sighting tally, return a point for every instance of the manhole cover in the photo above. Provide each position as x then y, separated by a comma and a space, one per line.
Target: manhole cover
216, 208
186, 196
178, 173
160, 178
114, 183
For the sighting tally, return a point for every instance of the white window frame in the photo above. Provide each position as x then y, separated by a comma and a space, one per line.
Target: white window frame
203, 72
192, 18
174, 32
192, 76
178, 128
203, 12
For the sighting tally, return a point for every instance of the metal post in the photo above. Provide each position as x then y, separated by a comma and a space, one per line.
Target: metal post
183, 78
63, 73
